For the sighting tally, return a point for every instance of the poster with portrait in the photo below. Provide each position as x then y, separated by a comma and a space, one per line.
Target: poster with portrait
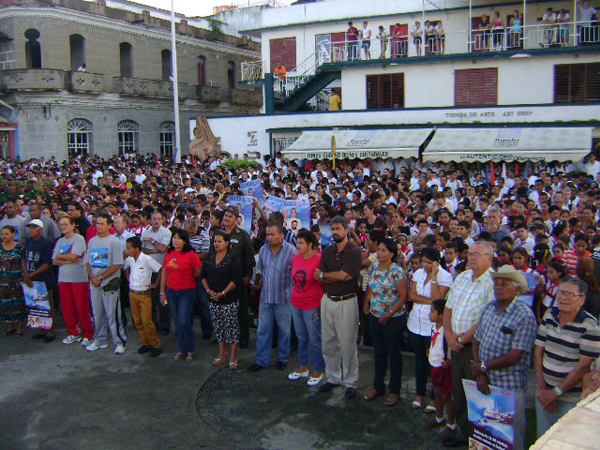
245, 206
326, 237
38, 305
253, 188
491, 416
527, 297
296, 213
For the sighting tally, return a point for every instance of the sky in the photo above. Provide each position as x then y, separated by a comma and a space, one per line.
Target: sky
193, 8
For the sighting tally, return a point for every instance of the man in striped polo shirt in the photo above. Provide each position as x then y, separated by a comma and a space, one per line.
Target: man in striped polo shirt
567, 343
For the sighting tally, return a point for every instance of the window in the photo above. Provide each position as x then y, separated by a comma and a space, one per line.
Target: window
33, 49
476, 87
167, 66
126, 58
201, 70
385, 91
79, 137
77, 46
167, 139
577, 83
283, 51
128, 137
231, 75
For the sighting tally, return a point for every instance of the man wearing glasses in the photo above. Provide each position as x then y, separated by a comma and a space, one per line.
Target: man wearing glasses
471, 292
567, 343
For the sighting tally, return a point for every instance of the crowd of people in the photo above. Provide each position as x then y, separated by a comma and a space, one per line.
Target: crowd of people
482, 271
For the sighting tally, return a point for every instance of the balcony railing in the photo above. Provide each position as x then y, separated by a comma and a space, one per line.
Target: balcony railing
85, 82
252, 70
150, 88
33, 79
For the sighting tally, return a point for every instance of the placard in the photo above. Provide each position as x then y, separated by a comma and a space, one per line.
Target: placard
38, 305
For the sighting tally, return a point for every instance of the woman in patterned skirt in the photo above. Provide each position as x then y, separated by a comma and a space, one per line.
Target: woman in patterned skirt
222, 278
12, 301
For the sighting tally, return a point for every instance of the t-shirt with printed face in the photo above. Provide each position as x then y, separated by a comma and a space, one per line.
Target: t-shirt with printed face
36, 254
307, 292
73, 272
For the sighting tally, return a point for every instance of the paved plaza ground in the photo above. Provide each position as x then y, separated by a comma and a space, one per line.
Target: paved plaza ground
55, 396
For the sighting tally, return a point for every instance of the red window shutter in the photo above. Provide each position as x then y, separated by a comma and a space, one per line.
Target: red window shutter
476, 87
385, 91
283, 51
372, 91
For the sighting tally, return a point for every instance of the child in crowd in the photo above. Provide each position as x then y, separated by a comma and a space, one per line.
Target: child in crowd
554, 273
138, 270
441, 373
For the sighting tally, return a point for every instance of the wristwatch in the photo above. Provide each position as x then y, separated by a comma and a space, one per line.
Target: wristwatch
460, 341
101, 277
484, 369
322, 276
558, 391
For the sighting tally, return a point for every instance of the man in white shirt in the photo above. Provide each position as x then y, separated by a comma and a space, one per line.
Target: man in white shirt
366, 39
155, 242
138, 270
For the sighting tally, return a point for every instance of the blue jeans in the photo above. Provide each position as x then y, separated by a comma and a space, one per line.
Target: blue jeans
307, 323
269, 315
182, 303
202, 302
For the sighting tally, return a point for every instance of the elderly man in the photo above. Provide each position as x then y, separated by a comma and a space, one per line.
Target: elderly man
567, 343
503, 341
339, 270
471, 292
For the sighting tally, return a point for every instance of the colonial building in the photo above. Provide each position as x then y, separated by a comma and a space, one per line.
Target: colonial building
80, 77
456, 80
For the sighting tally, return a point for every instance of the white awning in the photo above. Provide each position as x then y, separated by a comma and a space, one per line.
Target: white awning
400, 143
509, 144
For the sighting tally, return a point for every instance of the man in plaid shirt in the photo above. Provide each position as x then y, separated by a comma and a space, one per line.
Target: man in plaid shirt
503, 341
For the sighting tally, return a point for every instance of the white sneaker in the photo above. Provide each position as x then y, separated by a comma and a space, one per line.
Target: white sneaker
95, 346
70, 339
120, 349
86, 342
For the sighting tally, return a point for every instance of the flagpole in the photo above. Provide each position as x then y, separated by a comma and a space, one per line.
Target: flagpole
175, 85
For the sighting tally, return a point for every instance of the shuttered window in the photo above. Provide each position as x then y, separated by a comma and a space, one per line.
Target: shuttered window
385, 91
577, 83
283, 51
476, 87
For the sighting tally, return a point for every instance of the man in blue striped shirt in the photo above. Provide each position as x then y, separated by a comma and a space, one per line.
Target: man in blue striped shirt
274, 269
567, 343
503, 342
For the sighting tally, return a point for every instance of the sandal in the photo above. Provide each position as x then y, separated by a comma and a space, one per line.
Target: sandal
190, 357
220, 360
233, 365
179, 356
373, 395
9, 332
429, 409
392, 399
416, 404
18, 335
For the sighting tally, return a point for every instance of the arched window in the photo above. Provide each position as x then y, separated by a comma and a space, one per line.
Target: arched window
126, 58
127, 131
167, 139
167, 67
201, 70
77, 46
33, 49
231, 75
79, 138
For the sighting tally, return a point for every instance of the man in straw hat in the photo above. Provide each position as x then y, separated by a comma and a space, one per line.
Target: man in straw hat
503, 342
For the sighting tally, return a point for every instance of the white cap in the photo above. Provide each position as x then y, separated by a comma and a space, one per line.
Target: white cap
36, 223
188, 190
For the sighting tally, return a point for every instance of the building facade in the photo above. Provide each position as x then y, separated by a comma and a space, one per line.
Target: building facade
80, 78
529, 68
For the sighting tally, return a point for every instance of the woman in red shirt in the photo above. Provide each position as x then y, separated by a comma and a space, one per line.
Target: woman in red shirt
178, 285
306, 302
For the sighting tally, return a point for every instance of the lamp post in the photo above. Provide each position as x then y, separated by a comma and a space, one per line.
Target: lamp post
175, 85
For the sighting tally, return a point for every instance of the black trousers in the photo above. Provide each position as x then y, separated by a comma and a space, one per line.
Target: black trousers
386, 343
420, 345
161, 315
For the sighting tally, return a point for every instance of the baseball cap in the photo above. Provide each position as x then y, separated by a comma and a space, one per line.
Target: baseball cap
233, 210
36, 223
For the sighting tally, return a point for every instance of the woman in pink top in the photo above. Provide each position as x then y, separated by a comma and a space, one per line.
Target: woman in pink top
306, 302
